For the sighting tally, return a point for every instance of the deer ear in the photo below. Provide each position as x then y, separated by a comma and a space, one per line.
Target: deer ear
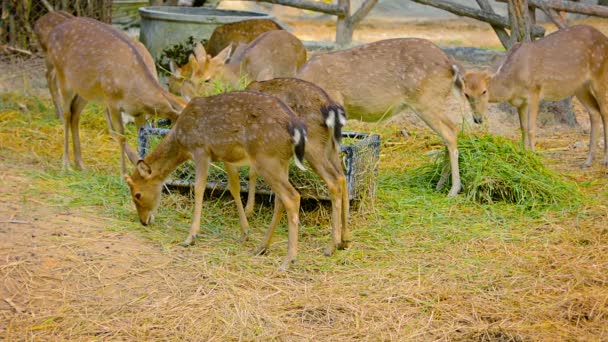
129, 181
200, 53
144, 169
224, 55
193, 63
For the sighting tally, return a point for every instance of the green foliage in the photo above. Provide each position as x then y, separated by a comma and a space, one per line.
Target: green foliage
494, 169
177, 53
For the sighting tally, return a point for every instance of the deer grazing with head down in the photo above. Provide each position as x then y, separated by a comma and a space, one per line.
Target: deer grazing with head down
237, 128
95, 62
324, 120
374, 80
571, 61
244, 31
42, 28
273, 54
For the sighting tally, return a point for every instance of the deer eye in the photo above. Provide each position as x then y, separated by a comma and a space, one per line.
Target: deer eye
484, 92
138, 195
467, 96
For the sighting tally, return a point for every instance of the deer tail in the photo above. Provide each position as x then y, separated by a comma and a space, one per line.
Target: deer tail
334, 116
298, 132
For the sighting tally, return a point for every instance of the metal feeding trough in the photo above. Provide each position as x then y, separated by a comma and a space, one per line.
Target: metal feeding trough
360, 153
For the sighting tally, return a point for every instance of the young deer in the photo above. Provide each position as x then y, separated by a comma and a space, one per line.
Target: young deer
237, 128
95, 62
42, 28
373, 81
571, 61
324, 120
273, 54
238, 32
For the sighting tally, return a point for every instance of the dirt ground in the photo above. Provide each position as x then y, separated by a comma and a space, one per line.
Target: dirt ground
66, 274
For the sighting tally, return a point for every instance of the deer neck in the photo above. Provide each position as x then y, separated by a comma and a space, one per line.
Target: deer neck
500, 87
167, 156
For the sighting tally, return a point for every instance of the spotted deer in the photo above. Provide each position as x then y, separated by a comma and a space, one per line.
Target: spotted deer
244, 31
324, 120
42, 29
237, 128
373, 81
571, 61
95, 62
273, 54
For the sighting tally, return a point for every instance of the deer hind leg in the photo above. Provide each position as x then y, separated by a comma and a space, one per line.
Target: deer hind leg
51, 80
201, 164
588, 100
522, 112
234, 184
67, 97
277, 214
275, 173
251, 192
324, 168
78, 104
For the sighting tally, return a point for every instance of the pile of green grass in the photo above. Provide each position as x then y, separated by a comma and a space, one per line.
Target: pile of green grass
495, 169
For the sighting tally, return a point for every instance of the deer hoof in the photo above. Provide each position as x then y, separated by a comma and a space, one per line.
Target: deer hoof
244, 237
329, 250
345, 244
189, 241
261, 250
285, 266
586, 164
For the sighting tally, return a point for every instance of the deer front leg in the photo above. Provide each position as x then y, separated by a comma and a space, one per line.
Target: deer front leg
201, 164
588, 100
251, 194
234, 184
118, 133
532, 114
522, 111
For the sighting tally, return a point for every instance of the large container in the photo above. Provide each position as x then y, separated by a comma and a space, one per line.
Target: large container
164, 26
124, 12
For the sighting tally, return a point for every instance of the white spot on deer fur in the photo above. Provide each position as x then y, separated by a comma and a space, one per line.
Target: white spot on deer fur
341, 117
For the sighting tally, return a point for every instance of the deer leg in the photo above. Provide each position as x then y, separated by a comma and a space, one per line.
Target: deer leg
234, 184
201, 164
522, 111
337, 165
533, 103
448, 133
588, 100
324, 168
118, 133
78, 104
66, 110
604, 114
51, 80
251, 194
277, 214
275, 174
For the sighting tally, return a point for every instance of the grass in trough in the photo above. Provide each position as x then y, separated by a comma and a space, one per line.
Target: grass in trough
422, 266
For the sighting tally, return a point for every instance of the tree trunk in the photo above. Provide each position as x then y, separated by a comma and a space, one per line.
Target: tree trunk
519, 18
344, 32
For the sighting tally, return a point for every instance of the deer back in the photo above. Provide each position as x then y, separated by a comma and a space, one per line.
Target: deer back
45, 24
102, 64
237, 126
372, 79
239, 32
323, 117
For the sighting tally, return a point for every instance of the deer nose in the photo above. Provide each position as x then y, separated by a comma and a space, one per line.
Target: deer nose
478, 119
143, 223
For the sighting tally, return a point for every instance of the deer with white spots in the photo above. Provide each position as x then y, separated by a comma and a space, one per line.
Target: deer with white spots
236, 128
273, 54
373, 81
571, 61
43, 27
324, 120
95, 62
244, 31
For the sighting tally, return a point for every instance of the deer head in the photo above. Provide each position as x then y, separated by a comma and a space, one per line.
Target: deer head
145, 191
476, 90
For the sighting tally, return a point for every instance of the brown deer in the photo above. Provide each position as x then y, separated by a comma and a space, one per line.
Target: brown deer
42, 29
237, 128
95, 62
571, 61
273, 54
324, 120
244, 31
374, 80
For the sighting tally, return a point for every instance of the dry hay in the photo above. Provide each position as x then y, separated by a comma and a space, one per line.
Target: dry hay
422, 266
